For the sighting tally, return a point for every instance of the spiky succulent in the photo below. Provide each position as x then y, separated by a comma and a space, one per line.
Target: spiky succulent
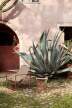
45, 59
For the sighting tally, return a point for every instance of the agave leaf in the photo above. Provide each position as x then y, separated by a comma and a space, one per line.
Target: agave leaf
65, 55
44, 57
62, 55
54, 46
36, 62
43, 46
33, 68
39, 51
56, 39
52, 61
55, 54
42, 42
69, 69
64, 58
27, 58
38, 57
65, 61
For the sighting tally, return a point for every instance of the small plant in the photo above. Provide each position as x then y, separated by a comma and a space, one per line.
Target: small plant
47, 60
68, 43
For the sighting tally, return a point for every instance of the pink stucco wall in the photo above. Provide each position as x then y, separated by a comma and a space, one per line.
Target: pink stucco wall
30, 20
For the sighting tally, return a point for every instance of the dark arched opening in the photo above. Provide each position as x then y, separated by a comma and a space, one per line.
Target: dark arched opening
7, 36
8, 40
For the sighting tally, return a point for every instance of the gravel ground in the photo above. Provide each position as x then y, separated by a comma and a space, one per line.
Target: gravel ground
11, 75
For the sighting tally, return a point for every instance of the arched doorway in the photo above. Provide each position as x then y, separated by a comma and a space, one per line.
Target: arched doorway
8, 40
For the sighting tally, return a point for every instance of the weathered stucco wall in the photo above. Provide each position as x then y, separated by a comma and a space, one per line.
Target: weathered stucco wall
30, 20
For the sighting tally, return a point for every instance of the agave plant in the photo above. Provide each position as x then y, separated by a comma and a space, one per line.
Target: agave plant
47, 60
